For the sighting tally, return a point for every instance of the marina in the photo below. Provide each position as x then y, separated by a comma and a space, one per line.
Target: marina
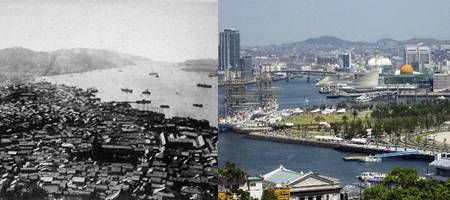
306, 97
260, 156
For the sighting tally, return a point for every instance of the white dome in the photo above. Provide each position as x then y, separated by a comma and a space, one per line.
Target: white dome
379, 61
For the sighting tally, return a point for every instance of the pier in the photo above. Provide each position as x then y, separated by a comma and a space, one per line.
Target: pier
396, 154
384, 151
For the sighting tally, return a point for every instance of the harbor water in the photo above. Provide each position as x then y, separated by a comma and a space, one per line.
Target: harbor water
174, 87
258, 157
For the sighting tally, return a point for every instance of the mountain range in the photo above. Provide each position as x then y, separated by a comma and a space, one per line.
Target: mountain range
23, 64
330, 43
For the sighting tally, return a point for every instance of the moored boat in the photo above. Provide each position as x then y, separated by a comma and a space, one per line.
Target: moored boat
197, 105
146, 92
127, 90
143, 101
363, 98
203, 85
371, 177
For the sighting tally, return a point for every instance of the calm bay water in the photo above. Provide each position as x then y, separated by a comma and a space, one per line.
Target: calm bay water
174, 87
259, 157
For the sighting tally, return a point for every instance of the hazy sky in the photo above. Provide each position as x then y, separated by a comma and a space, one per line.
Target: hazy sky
263, 22
160, 30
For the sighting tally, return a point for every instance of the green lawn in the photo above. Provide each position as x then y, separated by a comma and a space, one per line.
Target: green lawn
314, 119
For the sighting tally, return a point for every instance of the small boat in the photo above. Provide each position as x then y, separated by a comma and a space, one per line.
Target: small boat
127, 90
153, 74
363, 98
371, 177
325, 90
371, 158
203, 85
197, 105
333, 96
146, 92
164, 106
143, 101
441, 98
353, 158
212, 74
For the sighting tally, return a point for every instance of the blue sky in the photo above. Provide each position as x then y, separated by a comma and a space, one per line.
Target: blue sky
265, 22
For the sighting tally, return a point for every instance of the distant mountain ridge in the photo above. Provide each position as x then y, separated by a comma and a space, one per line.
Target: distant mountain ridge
327, 43
22, 63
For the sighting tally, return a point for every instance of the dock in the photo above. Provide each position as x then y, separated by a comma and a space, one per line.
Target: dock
344, 146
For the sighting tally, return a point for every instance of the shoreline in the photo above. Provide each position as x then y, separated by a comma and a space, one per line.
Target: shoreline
340, 146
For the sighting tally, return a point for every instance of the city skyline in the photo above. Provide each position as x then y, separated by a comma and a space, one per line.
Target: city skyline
262, 24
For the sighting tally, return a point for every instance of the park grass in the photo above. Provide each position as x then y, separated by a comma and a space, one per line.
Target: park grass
309, 119
310, 134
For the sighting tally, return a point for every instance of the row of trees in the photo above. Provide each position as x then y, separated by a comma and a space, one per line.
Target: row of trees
406, 118
404, 183
394, 120
350, 128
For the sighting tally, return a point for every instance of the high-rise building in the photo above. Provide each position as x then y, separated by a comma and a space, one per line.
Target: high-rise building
346, 61
247, 68
327, 60
417, 56
229, 49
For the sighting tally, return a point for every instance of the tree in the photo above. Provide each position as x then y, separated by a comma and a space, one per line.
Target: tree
354, 113
268, 195
243, 195
404, 183
368, 122
335, 126
377, 132
230, 176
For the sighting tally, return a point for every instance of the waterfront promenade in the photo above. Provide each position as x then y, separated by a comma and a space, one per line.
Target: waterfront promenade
342, 145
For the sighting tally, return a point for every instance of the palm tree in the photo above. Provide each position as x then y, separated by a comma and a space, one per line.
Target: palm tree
335, 126
354, 113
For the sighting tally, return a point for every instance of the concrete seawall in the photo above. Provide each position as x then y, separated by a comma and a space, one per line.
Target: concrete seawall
366, 149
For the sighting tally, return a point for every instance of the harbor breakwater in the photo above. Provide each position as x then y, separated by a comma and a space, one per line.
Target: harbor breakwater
341, 146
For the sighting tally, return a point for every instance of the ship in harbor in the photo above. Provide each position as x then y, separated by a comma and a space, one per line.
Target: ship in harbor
143, 101
373, 177
250, 116
127, 90
155, 74
147, 92
363, 98
203, 85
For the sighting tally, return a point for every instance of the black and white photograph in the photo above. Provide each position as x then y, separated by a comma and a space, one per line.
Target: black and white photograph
108, 99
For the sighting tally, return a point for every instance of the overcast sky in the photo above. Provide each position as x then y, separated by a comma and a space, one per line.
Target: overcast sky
264, 22
165, 31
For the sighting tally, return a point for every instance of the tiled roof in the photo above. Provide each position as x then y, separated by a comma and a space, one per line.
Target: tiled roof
282, 176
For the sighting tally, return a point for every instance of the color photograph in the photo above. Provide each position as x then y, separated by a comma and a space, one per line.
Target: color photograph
334, 100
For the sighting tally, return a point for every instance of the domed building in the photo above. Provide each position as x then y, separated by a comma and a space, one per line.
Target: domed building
406, 69
379, 61
407, 75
